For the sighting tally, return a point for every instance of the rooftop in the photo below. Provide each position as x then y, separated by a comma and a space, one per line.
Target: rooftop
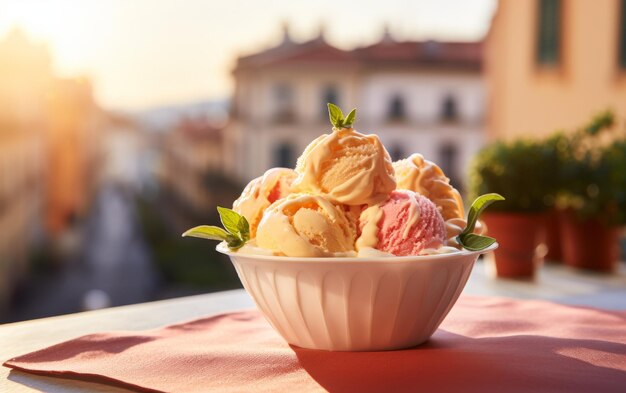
387, 52
200, 128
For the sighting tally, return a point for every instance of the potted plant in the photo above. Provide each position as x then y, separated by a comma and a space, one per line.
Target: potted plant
558, 154
554, 251
550, 148
593, 196
517, 171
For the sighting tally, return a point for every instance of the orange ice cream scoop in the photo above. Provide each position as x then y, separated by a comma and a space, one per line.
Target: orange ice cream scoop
346, 167
425, 177
261, 192
304, 225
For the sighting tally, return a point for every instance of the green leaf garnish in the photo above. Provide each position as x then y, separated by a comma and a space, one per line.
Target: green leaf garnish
230, 220
207, 232
335, 114
236, 234
474, 242
338, 120
244, 228
477, 208
235, 244
468, 239
350, 118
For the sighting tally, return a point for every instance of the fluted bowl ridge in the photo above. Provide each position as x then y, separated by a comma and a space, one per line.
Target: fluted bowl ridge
355, 304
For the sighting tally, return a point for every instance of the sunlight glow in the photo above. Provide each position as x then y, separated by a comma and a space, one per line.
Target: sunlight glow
142, 53
60, 24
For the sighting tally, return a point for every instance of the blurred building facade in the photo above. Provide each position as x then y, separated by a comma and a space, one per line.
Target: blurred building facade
422, 97
125, 149
192, 154
553, 63
74, 136
25, 74
21, 203
48, 144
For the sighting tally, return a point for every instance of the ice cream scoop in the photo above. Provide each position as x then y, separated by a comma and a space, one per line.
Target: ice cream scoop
304, 225
261, 193
407, 223
346, 167
422, 176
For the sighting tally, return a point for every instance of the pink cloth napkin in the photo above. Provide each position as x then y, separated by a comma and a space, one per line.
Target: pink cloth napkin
484, 345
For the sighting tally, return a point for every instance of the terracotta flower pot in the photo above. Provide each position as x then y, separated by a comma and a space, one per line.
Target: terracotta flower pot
589, 244
520, 236
553, 237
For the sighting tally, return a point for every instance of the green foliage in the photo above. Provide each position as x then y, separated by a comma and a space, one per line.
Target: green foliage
474, 242
338, 120
591, 170
480, 204
614, 159
583, 170
183, 262
235, 234
209, 232
467, 238
520, 171
601, 121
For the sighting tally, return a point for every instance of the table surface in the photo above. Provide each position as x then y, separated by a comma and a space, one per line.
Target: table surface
554, 282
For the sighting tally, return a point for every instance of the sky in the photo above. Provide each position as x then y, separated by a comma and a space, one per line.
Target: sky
147, 53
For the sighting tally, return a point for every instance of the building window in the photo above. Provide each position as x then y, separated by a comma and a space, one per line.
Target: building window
622, 35
284, 155
397, 109
449, 109
432, 48
448, 156
284, 103
396, 152
549, 32
329, 95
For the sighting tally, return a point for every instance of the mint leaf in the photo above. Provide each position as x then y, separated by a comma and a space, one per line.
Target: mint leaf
336, 116
467, 238
350, 119
207, 232
230, 219
474, 242
244, 228
235, 243
237, 231
337, 119
477, 208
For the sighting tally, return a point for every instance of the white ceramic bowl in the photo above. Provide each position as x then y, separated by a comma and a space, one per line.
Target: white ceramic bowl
355, 304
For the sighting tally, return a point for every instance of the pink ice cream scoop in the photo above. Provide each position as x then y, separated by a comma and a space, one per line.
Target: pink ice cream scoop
407, 223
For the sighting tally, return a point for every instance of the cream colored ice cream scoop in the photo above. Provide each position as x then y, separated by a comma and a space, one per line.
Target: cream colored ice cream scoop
304, 225
262, 192
346, 167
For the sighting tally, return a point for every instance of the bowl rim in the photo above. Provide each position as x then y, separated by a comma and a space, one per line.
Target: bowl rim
222, 248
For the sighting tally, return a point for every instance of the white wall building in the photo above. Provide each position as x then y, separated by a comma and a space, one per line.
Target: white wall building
425, 97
